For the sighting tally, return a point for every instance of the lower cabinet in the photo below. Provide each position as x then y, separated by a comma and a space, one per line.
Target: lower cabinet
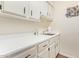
49, 48
46, 49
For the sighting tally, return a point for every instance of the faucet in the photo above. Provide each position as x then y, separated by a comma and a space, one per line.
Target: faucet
35, 33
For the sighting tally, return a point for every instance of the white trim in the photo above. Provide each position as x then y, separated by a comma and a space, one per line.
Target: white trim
67, 55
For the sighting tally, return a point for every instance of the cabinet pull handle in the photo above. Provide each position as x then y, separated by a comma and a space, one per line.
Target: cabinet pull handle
48, 49
24, 10
40, 12
27, 56
0, 6
31, 12
44, 45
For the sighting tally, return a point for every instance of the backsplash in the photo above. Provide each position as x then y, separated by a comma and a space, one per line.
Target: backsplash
12, 25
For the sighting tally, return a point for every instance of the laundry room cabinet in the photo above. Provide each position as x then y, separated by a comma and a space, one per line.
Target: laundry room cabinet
49, 48
30, 10
41, 46
14, 7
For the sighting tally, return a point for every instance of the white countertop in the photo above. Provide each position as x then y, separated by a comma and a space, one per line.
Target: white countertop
10, 44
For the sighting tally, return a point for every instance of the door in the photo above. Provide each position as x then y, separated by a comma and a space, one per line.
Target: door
44, 54
14, 7
34, 10
52, 51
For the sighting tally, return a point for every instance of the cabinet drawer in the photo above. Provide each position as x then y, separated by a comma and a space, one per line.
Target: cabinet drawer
28, 53
42, 46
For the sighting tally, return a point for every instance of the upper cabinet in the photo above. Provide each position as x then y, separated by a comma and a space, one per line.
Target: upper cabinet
14, 7
30, 10
34, 10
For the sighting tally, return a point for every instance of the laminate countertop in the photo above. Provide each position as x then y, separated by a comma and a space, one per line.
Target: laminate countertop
12, 43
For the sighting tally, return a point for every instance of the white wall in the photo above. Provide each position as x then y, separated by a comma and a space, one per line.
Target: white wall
15, 25
69, 28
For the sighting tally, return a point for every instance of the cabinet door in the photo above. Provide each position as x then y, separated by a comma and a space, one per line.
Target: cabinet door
44, 8
50, 12
52, 51
57, 45
34, 10
14, 7
44, 54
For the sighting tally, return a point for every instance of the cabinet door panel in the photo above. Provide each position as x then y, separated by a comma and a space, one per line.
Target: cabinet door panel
44, 8
50, 12
52, 51
44, 54
14, 7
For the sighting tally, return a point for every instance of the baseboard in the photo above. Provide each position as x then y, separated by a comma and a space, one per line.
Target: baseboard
67, 55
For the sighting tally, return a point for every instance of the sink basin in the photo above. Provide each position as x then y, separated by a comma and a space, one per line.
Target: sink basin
48, 34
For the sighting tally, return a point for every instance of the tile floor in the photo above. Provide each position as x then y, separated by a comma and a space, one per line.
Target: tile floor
61, 56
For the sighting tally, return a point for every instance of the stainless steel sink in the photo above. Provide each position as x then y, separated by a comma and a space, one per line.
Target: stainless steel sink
48, 34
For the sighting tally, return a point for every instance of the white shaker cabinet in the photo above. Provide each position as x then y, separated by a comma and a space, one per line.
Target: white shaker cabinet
14, 7
34, 10
31, 10
47, 48
54, 46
